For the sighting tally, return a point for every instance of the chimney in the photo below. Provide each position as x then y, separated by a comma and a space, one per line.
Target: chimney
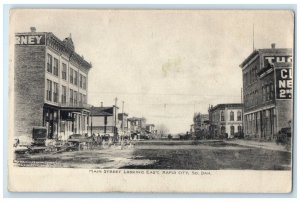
273, 45
32, 29
101, 104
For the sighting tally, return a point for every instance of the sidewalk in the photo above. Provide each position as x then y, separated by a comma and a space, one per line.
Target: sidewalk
262, 145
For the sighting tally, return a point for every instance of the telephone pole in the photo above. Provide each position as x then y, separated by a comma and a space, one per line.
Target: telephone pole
123, 119
115, 113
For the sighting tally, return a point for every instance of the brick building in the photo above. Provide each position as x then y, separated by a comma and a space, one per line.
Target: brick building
50, 86
267, 92
225, 119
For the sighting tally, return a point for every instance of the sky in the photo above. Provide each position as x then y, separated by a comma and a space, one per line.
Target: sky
165, 64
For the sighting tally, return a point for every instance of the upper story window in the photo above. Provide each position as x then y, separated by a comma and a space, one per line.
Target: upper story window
83, 82
80, 99
55, 92
222, 116
55, 67
84, 99
263, 93
63, 94
71, 75
272, 93
49, 90
231, 116
49, 63
75, 98
71, 96
268, 92
239, 116
80, 80
76, 78
64, 71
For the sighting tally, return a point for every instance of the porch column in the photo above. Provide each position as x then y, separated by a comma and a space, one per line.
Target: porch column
58, 123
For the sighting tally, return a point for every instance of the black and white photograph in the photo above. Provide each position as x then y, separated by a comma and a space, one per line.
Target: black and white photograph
154, 94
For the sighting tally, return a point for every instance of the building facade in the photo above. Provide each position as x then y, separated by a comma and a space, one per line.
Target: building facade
225, 120
267, 92
104, 121
50, 87
201, 125
137, 127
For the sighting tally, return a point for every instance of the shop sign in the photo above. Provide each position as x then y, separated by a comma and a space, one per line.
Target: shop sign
36, 39
284, 83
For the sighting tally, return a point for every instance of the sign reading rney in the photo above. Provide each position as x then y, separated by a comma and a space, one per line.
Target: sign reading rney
37, 39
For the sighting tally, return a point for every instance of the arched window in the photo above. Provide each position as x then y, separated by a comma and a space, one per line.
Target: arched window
231, 116
239, 116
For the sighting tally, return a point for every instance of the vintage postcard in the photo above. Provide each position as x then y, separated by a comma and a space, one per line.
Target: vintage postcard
151, 100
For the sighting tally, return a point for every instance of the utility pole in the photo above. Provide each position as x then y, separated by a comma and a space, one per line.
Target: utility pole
123, 120
115, 113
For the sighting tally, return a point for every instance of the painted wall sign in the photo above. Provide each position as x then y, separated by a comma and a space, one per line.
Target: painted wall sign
37, 39
277, 59
284, 83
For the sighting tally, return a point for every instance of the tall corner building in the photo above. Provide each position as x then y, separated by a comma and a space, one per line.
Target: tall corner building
267, 92
50, 86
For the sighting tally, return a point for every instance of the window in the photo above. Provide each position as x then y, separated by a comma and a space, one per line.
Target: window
232, 130
63, 94
239, 129
239, 116
55, 67
76, 78
71, 75
222, 116
231, 116
80, 80
80, 99
223, 129
268, 93
263, 93
55, 92
84, 99
272, 91
75, 98
71, 96
64, 71
83, 82
49, 90
49, 63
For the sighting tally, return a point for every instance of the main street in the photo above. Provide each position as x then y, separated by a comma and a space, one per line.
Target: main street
194, 155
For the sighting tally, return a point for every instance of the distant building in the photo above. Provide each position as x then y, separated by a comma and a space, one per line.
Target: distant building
104, 121
200, 126
267, 91
225, 119
137, 126
123, 125
150, 130
50, 86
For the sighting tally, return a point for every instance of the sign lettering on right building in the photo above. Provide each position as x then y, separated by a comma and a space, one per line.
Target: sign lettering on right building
284, 83
277, 59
